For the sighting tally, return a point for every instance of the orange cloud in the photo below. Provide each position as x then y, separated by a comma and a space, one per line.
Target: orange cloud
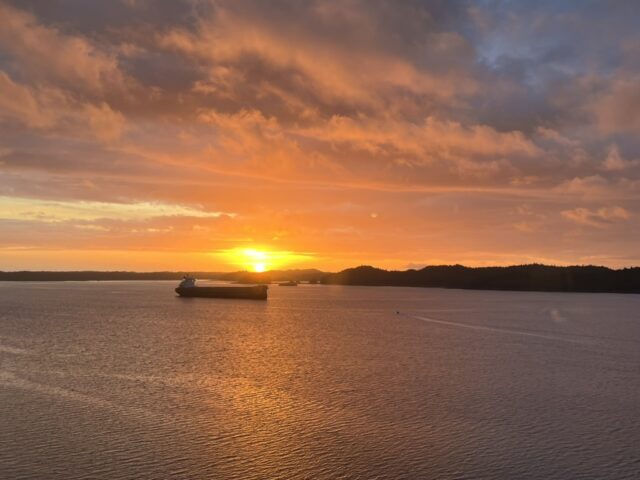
596, 218
46, 53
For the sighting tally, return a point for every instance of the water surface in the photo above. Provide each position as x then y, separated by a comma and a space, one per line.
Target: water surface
120, 380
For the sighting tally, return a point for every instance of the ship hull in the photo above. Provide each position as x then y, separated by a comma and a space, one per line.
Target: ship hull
258, 292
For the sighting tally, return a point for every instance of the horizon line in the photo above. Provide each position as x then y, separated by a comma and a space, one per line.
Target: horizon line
320, 270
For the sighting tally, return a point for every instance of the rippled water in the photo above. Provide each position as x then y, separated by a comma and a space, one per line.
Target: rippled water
120, 380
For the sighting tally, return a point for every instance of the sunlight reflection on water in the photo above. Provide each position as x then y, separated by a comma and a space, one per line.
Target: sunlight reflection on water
124, 380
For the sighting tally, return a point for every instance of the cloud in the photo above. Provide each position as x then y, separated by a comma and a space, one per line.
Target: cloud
106, 123
50, 211
615, 162
617, 109
48, 110
19, 103
593, 185
43, 53
599, 218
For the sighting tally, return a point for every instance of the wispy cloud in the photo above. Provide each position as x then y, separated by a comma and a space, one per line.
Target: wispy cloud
30, 209
597, 218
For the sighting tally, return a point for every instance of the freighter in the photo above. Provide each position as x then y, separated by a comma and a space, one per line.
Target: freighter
188, 288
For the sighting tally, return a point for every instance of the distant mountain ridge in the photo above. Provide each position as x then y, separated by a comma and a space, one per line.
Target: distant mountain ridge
533, 277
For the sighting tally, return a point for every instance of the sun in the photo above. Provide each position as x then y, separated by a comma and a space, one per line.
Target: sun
260, 259
256, 260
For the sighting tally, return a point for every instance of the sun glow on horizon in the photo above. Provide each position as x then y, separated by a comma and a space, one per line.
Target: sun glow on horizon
256, 260
261, 260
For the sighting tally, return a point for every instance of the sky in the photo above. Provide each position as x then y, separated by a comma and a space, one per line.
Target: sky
225, 134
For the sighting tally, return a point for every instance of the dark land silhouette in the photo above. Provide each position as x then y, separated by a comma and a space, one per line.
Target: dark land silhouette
306, 275
533, 277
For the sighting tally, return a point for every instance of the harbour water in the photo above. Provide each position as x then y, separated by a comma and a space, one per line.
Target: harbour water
121, 380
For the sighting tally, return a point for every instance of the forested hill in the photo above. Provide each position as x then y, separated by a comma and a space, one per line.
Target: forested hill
522, 277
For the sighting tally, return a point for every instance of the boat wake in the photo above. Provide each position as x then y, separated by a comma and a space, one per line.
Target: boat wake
484, 328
